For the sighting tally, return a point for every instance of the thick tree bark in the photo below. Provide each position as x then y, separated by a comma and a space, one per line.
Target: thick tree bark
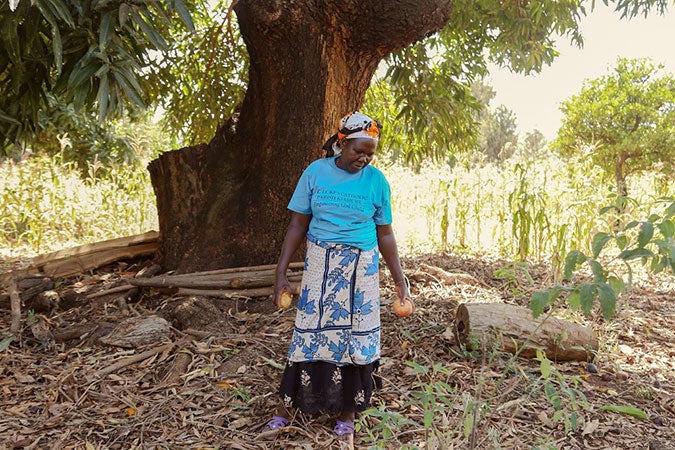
223, 204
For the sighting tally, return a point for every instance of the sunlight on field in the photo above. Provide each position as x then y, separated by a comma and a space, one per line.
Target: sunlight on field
520, 209
45, 207
529, 209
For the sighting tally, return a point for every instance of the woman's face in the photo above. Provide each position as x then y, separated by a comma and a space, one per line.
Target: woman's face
356, 154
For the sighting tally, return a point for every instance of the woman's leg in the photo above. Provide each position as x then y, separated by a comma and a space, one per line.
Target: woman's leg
286, 413
347, 416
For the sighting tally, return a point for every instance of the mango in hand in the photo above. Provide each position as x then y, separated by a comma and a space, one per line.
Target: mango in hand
405, 309
285, 299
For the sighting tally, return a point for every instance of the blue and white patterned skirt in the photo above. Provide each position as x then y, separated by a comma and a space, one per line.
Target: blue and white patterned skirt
335, 347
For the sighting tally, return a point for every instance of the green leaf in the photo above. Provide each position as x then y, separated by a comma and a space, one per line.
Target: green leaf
184, 14
617, 284
621, 241
106, 29
630, 410
587, 296
6, 118
61, 10
10, 38
545, 365
571, 261
646, 233
132, 94
5, 342
124, 12
102, 96
418, 368
150, 32
667, 228
57, 47
428, 418
607, 299
538, 301
599, 241
598, 271
636, 253
670, 212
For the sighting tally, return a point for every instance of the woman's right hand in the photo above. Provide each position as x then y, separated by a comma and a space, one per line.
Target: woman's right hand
281, 284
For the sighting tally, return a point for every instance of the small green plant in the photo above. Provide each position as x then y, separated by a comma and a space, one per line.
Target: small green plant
512, 274
377, 425
562, 394
650, 241
431, 394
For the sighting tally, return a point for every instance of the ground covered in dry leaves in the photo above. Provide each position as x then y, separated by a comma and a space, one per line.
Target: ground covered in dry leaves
212, 383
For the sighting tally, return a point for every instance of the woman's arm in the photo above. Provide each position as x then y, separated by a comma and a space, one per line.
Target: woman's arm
387, 244
295, 234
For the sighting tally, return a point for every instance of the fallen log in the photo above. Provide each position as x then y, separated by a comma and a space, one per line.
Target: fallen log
512, 329
210, 282
102, 246
236, 293
266, 268
84, 263
75, 260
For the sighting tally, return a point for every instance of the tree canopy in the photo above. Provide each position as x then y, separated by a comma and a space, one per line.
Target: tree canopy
115, 54
90, 54
623, 121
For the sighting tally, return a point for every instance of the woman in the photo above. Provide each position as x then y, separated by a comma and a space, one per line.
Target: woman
341, 206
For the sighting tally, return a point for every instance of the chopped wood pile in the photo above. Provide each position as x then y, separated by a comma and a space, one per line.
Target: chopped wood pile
245, 282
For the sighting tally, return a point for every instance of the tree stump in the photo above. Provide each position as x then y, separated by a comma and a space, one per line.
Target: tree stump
512, 329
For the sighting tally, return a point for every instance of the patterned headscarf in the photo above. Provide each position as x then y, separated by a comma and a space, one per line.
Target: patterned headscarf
353, 125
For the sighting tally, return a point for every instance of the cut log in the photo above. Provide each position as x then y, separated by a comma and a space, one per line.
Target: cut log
102, 246
86, 262
236, 272
512, 329
236, 293
71, 261
211, 281
138, 331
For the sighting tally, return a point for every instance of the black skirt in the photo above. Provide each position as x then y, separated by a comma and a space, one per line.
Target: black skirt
322, 387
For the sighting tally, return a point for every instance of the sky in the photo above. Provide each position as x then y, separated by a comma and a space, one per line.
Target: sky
535, 99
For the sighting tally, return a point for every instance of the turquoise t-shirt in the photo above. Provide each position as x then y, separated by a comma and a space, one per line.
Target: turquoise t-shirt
345, 206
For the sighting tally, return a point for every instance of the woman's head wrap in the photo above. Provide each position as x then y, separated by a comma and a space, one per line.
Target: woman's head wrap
353, 125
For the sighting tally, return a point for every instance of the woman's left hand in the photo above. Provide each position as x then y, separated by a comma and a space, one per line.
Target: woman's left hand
403, 294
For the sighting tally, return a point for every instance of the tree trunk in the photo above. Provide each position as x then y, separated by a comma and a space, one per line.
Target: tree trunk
512, 329
223, 204
620, 177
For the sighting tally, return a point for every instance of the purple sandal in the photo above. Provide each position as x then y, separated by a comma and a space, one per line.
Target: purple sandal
277, 422
343, 428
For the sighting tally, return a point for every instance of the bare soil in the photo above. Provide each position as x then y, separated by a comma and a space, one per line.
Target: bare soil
212, 383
